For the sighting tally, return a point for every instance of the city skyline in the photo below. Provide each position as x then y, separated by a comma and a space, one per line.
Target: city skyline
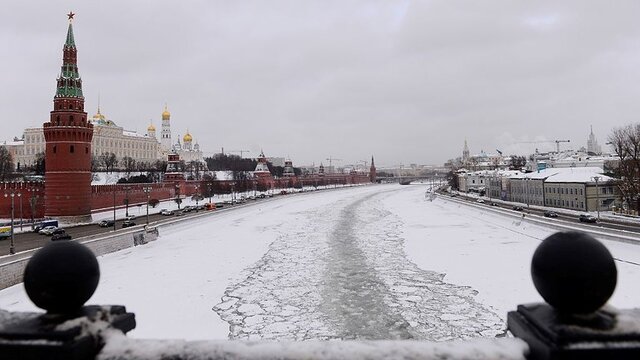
406, 82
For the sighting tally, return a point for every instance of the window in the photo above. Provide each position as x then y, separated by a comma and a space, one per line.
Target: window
71, 148
54, 149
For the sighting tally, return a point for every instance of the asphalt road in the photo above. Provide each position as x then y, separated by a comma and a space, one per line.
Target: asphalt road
29, 240
603, 223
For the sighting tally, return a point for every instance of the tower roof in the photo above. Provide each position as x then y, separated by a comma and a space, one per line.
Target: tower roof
166, 115
187, 137
70, 41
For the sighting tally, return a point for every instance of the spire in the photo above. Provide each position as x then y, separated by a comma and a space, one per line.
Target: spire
69, 82
70, 42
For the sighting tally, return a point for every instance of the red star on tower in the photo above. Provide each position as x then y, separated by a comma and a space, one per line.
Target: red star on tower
71, 15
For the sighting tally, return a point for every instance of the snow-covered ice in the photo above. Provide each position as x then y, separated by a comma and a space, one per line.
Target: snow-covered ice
374, 262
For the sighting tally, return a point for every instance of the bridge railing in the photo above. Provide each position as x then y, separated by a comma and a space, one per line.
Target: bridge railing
572, 271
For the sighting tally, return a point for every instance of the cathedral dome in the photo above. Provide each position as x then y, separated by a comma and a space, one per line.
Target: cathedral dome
166, 115
98, 116
187, 137
151, 128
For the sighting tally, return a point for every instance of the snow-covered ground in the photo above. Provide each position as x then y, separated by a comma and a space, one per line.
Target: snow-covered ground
374, 262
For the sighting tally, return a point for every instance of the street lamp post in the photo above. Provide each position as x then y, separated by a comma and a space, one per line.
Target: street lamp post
12, 249
147, 190
526, 183
178, 200
126, 200
197, 187
32, 203
114, 207
596, 179
21, 220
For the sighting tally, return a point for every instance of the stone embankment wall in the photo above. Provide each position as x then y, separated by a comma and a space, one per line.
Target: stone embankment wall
12, 270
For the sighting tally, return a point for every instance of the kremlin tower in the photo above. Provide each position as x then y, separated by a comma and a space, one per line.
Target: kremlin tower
68, 137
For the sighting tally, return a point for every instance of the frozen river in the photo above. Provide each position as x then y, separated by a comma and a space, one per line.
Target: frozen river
375, 262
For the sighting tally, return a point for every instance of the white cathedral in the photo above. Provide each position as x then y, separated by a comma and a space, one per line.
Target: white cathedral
108, 137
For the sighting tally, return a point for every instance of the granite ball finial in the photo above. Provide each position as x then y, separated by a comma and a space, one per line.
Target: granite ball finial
61, 277
574, 272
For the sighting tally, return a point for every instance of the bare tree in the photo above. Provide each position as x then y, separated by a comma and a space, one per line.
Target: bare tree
129, 165
109, 160
6, 163
626, 143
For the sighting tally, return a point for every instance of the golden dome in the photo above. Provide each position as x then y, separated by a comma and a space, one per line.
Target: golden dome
187, 137
166, 114
151, 128
98, 116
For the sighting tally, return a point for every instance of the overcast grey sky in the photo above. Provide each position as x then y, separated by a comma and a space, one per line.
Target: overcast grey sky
404, 81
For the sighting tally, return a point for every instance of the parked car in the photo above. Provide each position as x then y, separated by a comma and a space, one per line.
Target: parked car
61, 236
130, 218
550, 214
179, 213
481, 201
283, 192
494, 204
219, 204
106, 223
517, 208
128, 223
166, 212
47, 230
187, 208
588, 218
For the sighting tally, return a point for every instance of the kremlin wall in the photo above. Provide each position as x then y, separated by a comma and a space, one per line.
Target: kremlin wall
70, 139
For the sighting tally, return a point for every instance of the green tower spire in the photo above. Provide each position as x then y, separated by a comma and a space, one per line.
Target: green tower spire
69, 81
70, 41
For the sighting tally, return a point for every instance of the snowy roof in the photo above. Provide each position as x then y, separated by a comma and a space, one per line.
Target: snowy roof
132, 133
537, 175
580, 175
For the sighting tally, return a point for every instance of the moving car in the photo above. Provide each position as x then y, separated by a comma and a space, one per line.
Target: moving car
106, 223
44, 224
128, 223
588, 218
166, 212
517, 208
179, 213
61, 236
550, 213
480, 201
57, 231
47, 230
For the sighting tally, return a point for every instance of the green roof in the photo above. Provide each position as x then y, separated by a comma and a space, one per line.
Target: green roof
70, 41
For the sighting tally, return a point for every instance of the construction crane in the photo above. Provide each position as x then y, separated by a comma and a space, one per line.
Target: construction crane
545, 141
239, 151
558, 144
331, 159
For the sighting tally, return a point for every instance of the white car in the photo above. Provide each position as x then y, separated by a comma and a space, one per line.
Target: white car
47, 230
481, 201
166, 212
